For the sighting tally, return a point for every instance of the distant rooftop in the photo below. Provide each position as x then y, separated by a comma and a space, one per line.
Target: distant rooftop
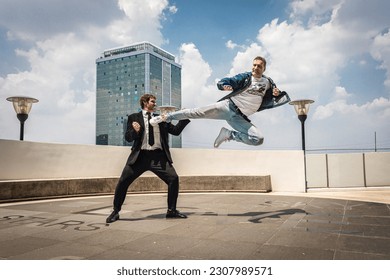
143, 46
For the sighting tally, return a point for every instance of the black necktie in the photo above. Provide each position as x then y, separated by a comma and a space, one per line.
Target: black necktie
151, 134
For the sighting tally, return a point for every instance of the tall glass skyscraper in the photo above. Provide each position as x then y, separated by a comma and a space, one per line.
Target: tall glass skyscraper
123, 75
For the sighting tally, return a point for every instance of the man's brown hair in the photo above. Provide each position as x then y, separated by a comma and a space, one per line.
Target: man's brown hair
262, 59
145, 99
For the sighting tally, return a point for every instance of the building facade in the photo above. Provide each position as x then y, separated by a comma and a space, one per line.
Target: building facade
122, 76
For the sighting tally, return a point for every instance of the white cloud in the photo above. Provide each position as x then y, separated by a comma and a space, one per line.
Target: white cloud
316, 52
143, 20
378, 109
380, 50
317, 10
341, 93
63, 89
39, 19
173, 9
242, 62
196, 92
62, 68
305, 60
230, 45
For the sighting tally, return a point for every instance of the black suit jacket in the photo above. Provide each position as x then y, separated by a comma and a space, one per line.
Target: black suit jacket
165, 129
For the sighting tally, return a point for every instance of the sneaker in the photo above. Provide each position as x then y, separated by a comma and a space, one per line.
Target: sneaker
224, 135
157, 119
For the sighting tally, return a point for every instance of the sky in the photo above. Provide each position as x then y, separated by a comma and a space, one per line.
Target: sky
335, 52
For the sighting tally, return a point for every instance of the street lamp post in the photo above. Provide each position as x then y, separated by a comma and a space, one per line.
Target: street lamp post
166, 109
22, 106
302, 109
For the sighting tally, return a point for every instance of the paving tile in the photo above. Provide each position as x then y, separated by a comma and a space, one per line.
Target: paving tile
369, 220
322, 225
278, 252
110, 238
161, 244
325, 217
347, 255
255, 233
368, 230
17, 231
362, 244
69, 230
211, 249
147, 225
359, 208
61, 251
18, 246
193, 229
122, 254
314, 239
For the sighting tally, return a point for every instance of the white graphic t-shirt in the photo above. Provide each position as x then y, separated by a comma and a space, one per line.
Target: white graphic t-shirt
249, 101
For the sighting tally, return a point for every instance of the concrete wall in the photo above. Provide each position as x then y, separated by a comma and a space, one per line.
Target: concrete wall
377, 168
22, 160
286, 168
348, 170
317, 170
31, 161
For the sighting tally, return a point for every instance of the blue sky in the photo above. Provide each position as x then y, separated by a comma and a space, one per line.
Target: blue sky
336, 52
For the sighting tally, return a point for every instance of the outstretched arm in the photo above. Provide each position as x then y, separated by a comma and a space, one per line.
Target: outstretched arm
178, 128
232, 83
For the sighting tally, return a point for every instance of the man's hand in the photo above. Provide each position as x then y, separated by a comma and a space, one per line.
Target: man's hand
136, 126
227, 87
276, 92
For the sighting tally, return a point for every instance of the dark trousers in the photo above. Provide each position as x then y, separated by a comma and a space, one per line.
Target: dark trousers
156, 162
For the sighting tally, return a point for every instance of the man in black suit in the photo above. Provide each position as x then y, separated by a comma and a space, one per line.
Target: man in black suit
150, 151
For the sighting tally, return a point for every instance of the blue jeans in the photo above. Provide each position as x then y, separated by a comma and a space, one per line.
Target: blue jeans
244, 131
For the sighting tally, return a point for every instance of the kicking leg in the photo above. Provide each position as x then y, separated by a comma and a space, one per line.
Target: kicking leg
216, 111
244, 132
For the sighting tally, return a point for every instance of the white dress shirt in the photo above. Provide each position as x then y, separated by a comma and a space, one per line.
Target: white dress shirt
156, 132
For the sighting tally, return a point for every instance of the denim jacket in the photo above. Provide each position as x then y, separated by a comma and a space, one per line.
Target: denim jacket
241, 82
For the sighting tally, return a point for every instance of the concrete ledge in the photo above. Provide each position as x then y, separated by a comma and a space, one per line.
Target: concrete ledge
33, 161
39, 189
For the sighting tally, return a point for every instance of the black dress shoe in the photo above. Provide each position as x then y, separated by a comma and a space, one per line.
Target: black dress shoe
114, 216
174, 214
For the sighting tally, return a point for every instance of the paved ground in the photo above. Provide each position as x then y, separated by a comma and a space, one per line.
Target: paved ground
219, 226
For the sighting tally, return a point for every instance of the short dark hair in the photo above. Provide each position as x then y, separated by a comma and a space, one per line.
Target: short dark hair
262, 59
145, 99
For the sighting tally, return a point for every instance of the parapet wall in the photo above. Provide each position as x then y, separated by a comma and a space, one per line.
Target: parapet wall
44, 165
348, 170
36, 162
